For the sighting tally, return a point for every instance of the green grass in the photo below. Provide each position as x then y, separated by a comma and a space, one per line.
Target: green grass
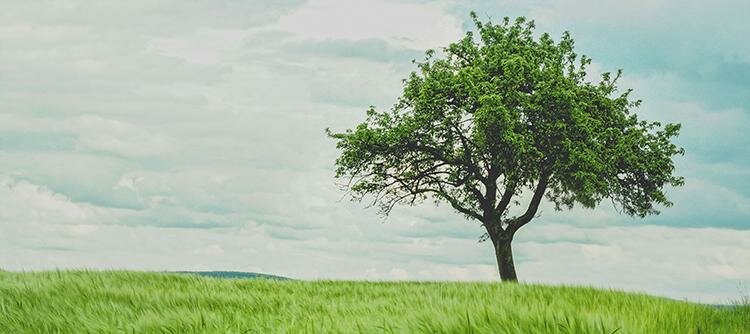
136, 302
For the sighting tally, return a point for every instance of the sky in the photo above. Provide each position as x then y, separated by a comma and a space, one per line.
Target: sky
189, 135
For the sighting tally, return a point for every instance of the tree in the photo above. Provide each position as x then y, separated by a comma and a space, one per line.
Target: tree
501, 122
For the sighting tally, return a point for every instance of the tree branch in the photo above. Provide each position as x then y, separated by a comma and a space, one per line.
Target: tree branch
453, 202
468, 161
510, 190
524, 219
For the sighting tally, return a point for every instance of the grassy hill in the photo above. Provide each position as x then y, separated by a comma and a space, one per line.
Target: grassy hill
137, 302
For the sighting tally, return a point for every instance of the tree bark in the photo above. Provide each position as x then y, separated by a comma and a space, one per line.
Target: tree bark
504, 255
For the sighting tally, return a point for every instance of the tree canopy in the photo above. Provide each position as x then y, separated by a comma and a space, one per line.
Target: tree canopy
501, 119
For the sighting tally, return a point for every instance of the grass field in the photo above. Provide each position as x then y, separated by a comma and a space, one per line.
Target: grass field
136, 302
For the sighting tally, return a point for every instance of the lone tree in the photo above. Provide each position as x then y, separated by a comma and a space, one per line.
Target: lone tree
500, 122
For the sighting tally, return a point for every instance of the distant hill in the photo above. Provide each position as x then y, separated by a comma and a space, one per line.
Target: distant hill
233, 274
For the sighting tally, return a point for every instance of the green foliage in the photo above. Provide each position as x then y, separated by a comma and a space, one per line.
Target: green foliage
503, 112
131, 302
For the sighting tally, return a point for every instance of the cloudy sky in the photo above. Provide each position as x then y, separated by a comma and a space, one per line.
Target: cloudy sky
188, 135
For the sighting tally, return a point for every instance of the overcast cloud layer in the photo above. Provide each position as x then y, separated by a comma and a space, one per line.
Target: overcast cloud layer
189, 136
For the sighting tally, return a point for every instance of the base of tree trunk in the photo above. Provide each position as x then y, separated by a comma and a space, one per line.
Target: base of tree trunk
505, 266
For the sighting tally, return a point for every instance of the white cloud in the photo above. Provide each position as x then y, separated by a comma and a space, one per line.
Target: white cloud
12, 121
413, 25
205, 47
209, 250
106, 135
21, 201
704, 264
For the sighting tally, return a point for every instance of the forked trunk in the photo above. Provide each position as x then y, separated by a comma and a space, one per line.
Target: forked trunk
504, 255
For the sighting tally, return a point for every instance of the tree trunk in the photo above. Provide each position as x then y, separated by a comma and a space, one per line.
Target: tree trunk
504, 255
